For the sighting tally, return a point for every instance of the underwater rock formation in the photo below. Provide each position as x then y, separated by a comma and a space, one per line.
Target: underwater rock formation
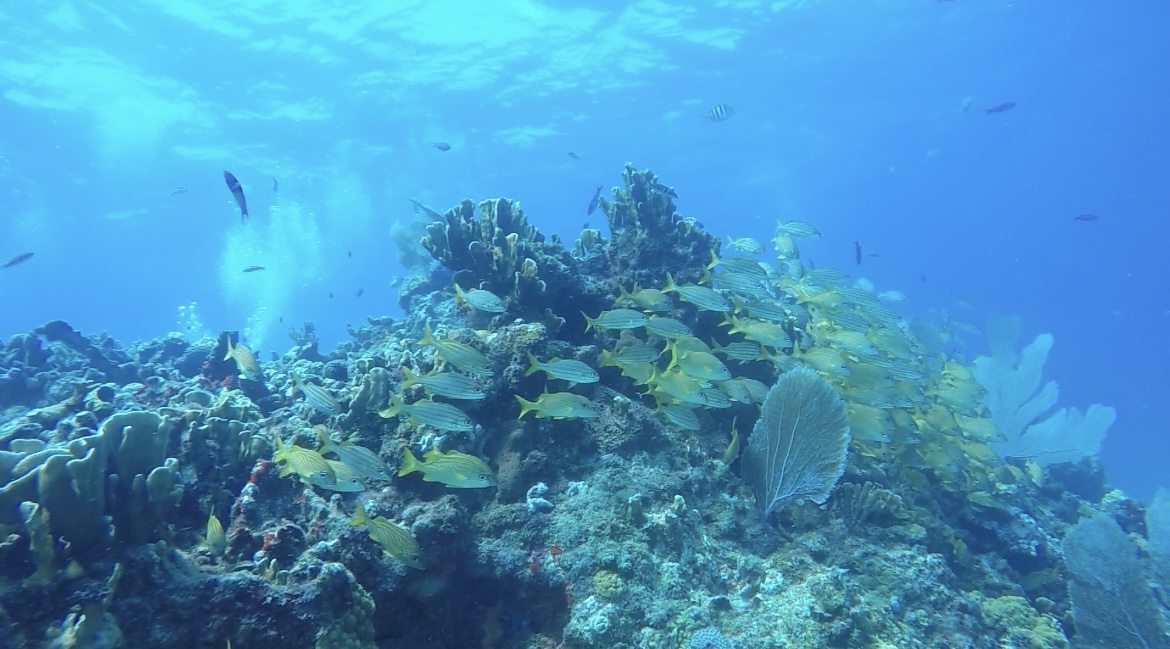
536, 477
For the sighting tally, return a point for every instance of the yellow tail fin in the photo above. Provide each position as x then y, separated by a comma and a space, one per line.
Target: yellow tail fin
409, 463
428, 337
533, 365
526, 406
409, 378
359, 517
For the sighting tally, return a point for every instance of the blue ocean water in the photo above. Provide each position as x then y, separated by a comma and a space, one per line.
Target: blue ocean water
864, 118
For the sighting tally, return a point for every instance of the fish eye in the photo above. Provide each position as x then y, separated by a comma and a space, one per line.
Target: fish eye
323, 475
483, 476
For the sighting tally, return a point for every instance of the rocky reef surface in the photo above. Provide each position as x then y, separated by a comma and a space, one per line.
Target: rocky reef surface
158, 495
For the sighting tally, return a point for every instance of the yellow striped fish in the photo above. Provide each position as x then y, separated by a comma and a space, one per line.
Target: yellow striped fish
309, 465
316, 396
462, 356
436, 414
396, 540
445, 384
615, 319
245, 361
480, 299
557, 405
362, 461
700, 296
215, 539
454, 469
566, 369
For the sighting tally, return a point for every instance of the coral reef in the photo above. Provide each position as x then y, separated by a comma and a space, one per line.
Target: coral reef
152, 496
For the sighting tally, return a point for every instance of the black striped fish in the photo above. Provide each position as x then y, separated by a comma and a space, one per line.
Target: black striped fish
720, 113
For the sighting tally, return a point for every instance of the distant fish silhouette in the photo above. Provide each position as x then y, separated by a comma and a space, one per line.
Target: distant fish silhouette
274, 184
573, 156
19, 259
1001, 108
176, 191
720, 113
442, 146
663, 189
252, 269
593, 201
1086, 217
238, 194
857, 252
360, 291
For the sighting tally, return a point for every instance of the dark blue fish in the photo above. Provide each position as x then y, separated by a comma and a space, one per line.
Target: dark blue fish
442, 146
252, 269
1086, 217
593, 201
238, 194
1001, 108
857, 252
274, 185
573, 156
19, 259
720, 113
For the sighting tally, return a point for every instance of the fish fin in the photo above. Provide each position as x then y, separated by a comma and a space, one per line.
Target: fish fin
588, 321
326, 443
359, 517
459, 299
533, 365
670, 287
714, 259
231, 348
428, 336
409, 463
409, 378
526, 406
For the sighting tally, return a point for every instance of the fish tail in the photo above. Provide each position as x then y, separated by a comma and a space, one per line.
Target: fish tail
428, 337
533, 365
409, 378
731, 321
409, 463
607, 358
673, 356
622, 294
459, 299
526, 406
359, 517
670, 287
588, 321
326, 442
231, 348
714, 259
705, 278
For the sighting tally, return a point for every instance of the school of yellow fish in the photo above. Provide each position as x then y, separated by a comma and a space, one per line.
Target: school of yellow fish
907, 399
